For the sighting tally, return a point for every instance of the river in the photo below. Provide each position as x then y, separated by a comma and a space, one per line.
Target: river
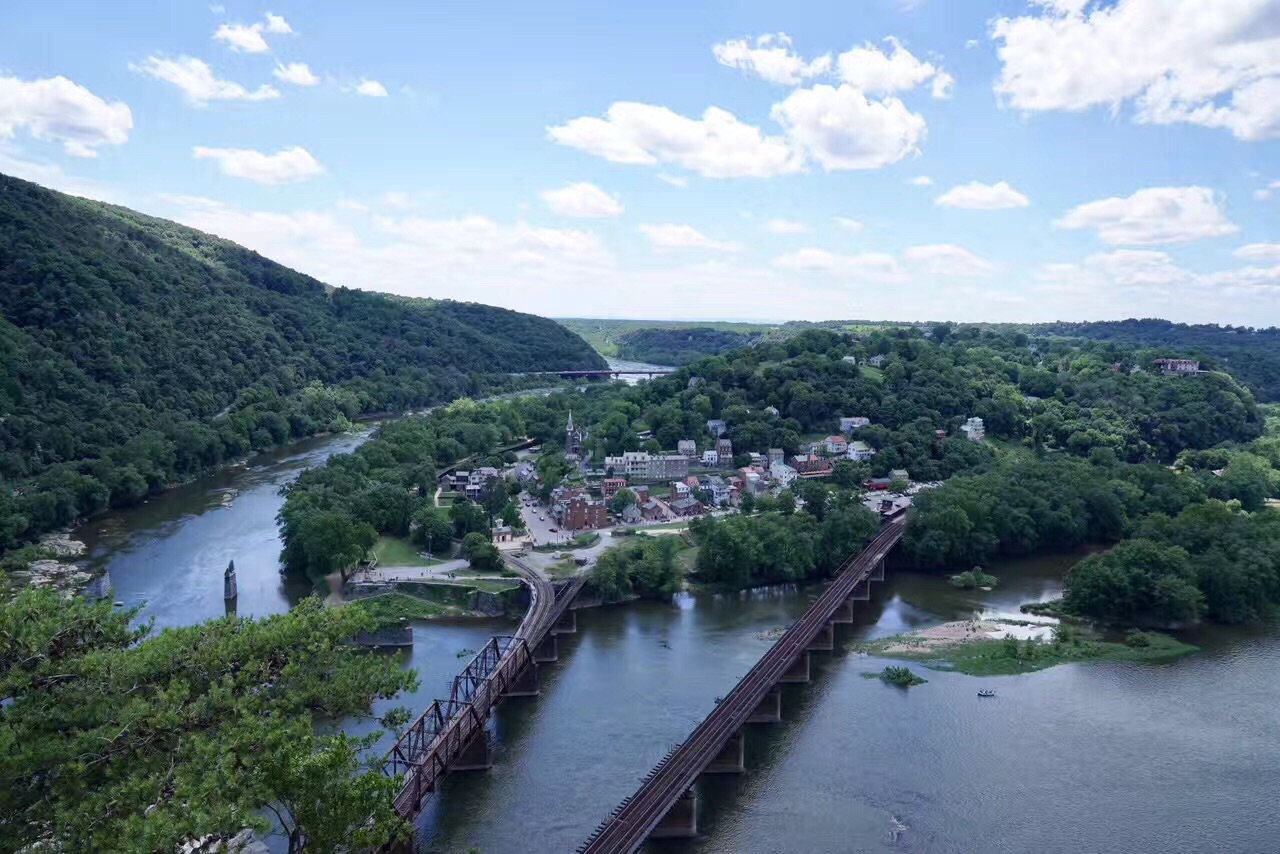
1089, 757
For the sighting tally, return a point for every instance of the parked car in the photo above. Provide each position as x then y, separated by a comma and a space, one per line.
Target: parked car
553, 530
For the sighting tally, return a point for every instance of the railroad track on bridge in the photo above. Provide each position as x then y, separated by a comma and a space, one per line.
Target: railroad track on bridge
674, 777
451, 733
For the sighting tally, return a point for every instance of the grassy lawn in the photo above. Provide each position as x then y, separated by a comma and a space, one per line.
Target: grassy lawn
563, 569
393, 607
874, 374
486, 585
687, 558
397, 551
678, 525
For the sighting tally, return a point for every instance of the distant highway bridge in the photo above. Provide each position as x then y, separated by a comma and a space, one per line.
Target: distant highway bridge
451, 735
666, 804
608, 373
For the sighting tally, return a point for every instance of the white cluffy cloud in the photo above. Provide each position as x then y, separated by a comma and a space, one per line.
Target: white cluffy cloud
582, 200
865, 266
717, 146
1215, 64
946, 259
841, 128
371, 89
848, 224
770, 59
1259, 252
1152, 217
870, 69
670, 236
921, 181
1266, 192
982, 197
286, 166
785, 226
197, 82
297, 73
247, 38
55, 109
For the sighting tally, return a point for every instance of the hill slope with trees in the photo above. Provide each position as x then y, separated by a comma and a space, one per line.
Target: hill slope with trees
135, 352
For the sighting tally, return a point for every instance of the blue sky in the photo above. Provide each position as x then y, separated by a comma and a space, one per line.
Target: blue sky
1015, 160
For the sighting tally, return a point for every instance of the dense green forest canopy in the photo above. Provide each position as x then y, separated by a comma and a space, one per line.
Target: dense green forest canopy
135, 352
606, 335
680, 346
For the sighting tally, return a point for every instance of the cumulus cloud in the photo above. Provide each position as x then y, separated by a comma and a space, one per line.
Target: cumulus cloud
288, 165
668, 236
982, 197
371, 89
852, 226
248, 38
921, 181
864, 266
673, 180
1259, 252
297, 73
1152, 217
1210, 64
58, 110
716, 146
1266, 192
197, 82
841, 128
785, 226
1139, 267
871, 70
946, 259
582, 200
771, 59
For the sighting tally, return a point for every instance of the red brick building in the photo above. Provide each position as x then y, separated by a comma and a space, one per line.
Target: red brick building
582, 512
611, 485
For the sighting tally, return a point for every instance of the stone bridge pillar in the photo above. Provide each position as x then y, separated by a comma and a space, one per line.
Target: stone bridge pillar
824, 640
525, 684
548, 651
732, 758
862, 591
798, 673
877, 574
843, 613
476, 755
567, 624
681, 821
770, 709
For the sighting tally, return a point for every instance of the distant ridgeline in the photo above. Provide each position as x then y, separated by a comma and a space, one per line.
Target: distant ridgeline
135, 352
666, 345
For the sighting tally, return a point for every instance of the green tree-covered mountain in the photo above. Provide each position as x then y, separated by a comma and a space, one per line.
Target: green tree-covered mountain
672, 345
135, 352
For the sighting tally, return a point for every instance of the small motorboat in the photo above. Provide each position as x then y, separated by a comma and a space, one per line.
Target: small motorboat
987, 692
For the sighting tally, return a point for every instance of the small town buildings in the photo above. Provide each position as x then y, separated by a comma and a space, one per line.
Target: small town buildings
688, 447
610, 485
716, 427
810, 466
851, 360
574, 437
848, 425
582, 512
877, 360
776, 456
646, 466
686, 507
632, 514
719, 490
974, 429
711, 459
724, 448
876, 483
860, 451
503, 534
772, 410
663, 466
899, 474
651, 511
642, 493
782, 474
1178, 367
837, 445
680, 489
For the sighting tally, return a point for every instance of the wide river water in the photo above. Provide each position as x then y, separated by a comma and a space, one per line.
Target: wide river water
1079, 758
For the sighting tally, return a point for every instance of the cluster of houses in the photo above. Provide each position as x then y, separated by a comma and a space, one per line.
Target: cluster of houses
473, 483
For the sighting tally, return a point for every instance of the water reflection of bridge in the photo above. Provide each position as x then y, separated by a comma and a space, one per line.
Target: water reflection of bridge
665, 805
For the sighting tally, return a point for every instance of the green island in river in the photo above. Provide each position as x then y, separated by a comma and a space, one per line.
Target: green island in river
993, 647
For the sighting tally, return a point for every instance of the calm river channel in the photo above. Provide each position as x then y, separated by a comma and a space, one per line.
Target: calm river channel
1079, 758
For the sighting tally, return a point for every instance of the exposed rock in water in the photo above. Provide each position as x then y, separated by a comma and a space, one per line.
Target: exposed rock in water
65, 577
61, 544
98, 588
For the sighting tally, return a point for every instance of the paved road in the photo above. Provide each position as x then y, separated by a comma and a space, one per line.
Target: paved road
409, 573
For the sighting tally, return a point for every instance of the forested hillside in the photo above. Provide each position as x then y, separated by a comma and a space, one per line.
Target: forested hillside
665, 345
135, 352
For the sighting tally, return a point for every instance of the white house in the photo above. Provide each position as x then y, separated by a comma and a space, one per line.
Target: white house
860, 451
877, 360
711, 459
837, 445
716, 427
782, 474
848, 425
975, 429
688, 447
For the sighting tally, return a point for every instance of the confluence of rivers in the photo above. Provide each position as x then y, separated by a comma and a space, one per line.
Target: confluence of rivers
1102, 757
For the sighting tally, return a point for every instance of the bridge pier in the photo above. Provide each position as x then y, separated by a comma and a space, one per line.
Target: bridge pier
843, 613
681, 821
476, 756
824, 640
769, 711
567, 624
861, 591
732, 758
877, 574
798, 673
525, 684
548, 651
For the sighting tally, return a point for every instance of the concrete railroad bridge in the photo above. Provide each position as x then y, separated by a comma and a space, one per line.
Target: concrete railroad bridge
666, 804
451, 735
600, 374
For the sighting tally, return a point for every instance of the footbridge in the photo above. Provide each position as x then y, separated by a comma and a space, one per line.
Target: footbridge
451, 735
665, 805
